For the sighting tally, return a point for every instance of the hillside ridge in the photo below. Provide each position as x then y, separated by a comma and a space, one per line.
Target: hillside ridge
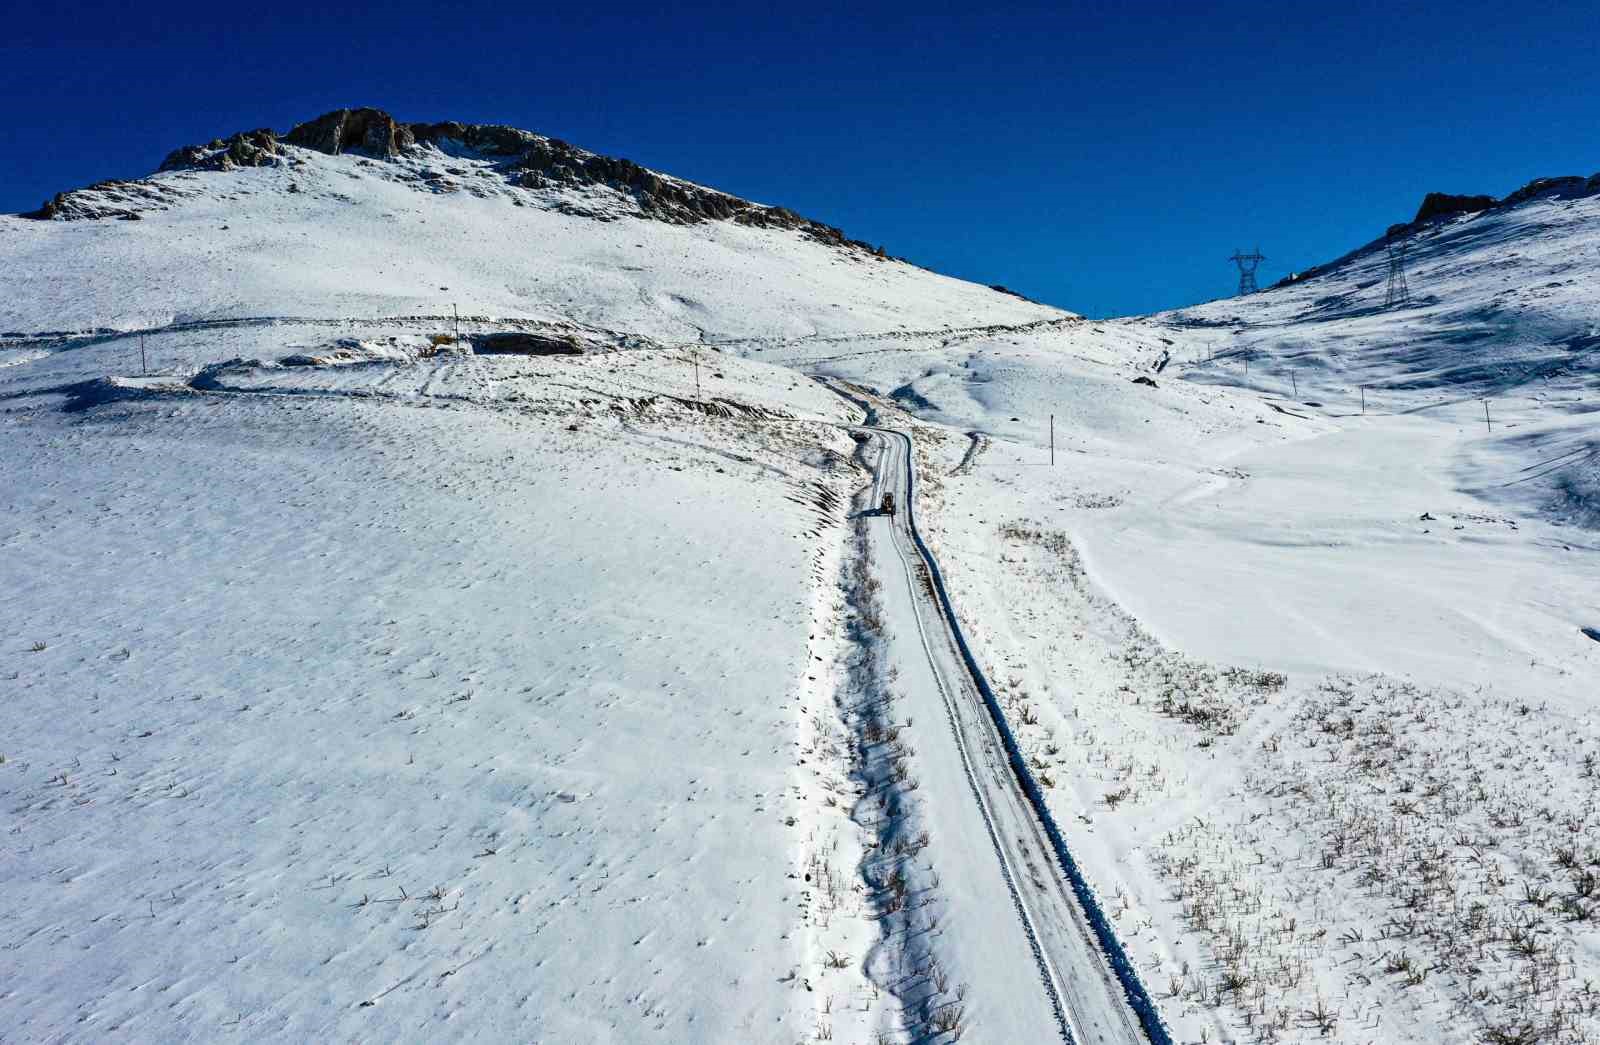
524, 159
1437, 207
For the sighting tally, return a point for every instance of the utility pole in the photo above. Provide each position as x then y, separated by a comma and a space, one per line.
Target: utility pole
1247, 269
144, 366
1486, 422
457, 313
1363, 399
1294, 384
695, 352
1052, 440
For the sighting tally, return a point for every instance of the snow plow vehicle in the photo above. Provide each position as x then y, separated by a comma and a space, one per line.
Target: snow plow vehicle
888, 505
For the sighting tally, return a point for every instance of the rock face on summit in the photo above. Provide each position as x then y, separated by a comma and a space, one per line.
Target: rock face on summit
371, 131
1443, 204
524, 159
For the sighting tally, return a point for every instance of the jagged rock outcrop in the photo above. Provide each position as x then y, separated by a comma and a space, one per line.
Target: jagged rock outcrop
123, 200
524, 159
1443, 204
371, 131
1571, 185
536, 162
256, 148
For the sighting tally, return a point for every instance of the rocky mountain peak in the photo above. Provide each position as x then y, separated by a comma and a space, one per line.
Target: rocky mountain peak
521, 159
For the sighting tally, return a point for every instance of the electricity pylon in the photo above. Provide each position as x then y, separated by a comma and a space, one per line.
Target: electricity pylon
1398, 293
1247, 269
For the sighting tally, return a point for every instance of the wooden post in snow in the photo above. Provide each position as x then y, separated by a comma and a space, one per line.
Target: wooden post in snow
144, 365
1486, 422
1052, 440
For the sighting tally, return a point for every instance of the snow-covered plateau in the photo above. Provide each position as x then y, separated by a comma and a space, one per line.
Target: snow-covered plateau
449, 595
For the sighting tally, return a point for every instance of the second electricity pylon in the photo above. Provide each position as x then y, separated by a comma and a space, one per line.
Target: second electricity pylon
1247, 269
1398, 293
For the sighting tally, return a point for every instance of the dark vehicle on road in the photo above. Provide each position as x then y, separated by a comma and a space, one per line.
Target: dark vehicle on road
888, 505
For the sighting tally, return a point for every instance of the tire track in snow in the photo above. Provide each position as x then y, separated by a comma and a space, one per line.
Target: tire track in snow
979, 443
1075, 927
1046, 973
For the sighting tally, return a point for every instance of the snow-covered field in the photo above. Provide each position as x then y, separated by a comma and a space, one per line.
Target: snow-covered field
369, 718
360, 686
1293, 666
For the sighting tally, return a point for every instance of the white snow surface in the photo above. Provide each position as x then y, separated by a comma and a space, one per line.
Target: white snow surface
1260, 516
368, 689
1410, 554
317, 666
358, 239
356, 688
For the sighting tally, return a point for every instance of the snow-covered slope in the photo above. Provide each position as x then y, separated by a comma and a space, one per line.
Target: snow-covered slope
406, 701
1272, 386
362, 686
1244, 619
1502, 307
1500, 298
443, 225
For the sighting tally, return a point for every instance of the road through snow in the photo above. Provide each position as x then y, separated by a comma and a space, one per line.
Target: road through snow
1022, 935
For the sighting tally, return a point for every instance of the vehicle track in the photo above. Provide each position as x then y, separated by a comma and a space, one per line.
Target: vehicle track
1088, 978
890, 448
435, 321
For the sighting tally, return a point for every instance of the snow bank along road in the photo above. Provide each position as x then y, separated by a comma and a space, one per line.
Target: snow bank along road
997, 854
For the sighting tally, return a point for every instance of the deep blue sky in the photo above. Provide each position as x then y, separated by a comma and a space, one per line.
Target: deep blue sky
1103, 157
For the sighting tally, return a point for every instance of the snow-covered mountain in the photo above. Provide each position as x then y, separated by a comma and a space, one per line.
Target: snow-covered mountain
363, 681
1501, 308
355, 215
1500, 297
